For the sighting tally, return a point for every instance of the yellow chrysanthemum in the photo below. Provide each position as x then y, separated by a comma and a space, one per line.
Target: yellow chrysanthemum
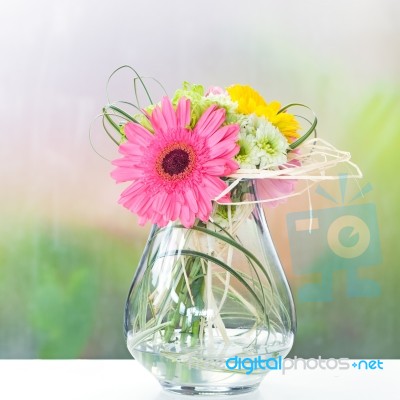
251, 102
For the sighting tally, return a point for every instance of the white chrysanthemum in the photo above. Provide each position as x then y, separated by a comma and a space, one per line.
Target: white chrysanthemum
248, 156
261, 144
272, 146
248, 124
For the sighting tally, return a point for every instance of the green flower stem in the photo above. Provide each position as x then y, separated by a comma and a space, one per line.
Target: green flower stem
174, 315
199, 304
185, 373
170, 369
195, 331
185, 330
195, 282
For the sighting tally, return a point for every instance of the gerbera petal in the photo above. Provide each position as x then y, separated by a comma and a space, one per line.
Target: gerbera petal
135, 133
176, 211
216, 165
125, 171
158, 121
168, 207
130, 202
159, 201
204, 203
205, 199
156, 219
141, 206
214, 186
228, 132
183, 112
142, 220
131, 149
231, 167
225, 199
168, 113
224, 150
217, 170
210, 121
191, 200
135, 188
187, 217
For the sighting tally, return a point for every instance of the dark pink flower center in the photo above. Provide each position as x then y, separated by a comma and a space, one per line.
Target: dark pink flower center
176, 161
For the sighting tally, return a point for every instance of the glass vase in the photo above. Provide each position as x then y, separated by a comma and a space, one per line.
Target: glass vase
209, 310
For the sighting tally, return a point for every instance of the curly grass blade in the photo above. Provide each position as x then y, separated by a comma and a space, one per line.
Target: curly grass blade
122, 112
113, 124
138, 77
301, 139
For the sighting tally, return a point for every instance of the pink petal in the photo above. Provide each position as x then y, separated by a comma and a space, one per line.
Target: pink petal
168, 113
140, 204
222, 149
131, 149
231, 167
128, 161
142, 220
183, 112
135, 133
191, 200
204, 203
161, 221
214, 186
210, 121
168, 207
131, 202
187, 218
159, 201
177, 210
225, 199
215, 90
216, 170
158, 121
269, 189
124, 174
228, 132
133, 189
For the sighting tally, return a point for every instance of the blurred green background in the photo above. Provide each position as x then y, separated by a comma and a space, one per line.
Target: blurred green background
68, 252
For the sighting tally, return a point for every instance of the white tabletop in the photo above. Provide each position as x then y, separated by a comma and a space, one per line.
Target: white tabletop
127, 380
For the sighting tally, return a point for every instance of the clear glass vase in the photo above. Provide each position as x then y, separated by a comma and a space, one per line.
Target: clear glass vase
209, 309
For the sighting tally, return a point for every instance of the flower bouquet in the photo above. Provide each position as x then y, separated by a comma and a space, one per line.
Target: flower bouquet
209, 309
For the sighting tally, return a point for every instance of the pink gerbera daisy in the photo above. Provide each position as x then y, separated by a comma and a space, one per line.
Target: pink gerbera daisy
176, 171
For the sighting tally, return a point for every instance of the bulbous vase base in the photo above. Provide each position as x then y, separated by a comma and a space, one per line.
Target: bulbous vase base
209, 300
